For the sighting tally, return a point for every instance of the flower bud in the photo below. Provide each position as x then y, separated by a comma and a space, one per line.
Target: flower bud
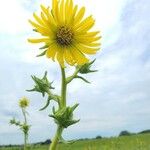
64, 117
41, 85
86, 68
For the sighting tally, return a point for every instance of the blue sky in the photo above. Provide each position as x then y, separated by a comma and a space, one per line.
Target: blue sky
118, 98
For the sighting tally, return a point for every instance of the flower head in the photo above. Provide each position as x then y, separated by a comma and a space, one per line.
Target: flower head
23, 102
65, 33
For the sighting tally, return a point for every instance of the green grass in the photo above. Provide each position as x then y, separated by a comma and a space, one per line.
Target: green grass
134, 142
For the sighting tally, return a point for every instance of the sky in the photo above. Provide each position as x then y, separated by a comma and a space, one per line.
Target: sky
118, 97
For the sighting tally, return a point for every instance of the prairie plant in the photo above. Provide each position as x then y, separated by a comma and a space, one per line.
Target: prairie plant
23, 126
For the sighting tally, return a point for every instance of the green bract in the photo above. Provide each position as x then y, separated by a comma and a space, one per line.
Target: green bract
41, 85
25, 128
64, 116
86, 68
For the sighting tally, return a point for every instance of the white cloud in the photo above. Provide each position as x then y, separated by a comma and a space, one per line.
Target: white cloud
13, 17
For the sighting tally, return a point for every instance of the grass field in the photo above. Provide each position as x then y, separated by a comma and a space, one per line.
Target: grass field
134, 142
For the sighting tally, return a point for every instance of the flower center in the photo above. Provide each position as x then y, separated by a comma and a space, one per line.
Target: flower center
64, 36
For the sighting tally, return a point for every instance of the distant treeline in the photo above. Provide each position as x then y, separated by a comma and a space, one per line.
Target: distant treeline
127, 133
48, 141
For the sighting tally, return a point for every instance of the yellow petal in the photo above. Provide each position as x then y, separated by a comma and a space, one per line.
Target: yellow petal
92, 33
60, 57
55, 11
80, 15
85, 39
79, 57
38, 19
86, 26
62, 11
46, 40
93, 44
43, 30
88, 34
69, 15
50, 20
44, 18
51, 52
87, 50
70, 21
44, 9
68, 57
66, 10
85, 21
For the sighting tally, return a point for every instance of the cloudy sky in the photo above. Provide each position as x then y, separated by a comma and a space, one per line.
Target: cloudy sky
118, 97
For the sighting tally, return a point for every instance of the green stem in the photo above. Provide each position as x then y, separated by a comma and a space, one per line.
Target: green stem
24, 114
59, 131
55, 97
25, 134
25, 141
63, 88
55, 141
69, 79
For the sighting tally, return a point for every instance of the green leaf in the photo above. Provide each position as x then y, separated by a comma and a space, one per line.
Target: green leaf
46, 105
62, 140
82, 79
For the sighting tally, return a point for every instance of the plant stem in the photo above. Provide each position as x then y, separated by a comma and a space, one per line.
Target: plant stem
24, 114
59, 131
54, 143
69, 79
63, 88
25, 141
25, 134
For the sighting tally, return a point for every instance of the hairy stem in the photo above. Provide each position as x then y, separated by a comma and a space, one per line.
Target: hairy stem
59, 131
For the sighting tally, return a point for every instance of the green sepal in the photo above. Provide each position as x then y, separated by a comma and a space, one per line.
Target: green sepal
42, 54
43, 47
35, 30
25, 128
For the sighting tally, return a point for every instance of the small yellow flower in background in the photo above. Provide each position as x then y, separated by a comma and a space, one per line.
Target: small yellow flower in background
24, 102
66, 33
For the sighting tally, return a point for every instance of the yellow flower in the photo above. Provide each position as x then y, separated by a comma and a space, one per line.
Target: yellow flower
66, 33
23, 102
